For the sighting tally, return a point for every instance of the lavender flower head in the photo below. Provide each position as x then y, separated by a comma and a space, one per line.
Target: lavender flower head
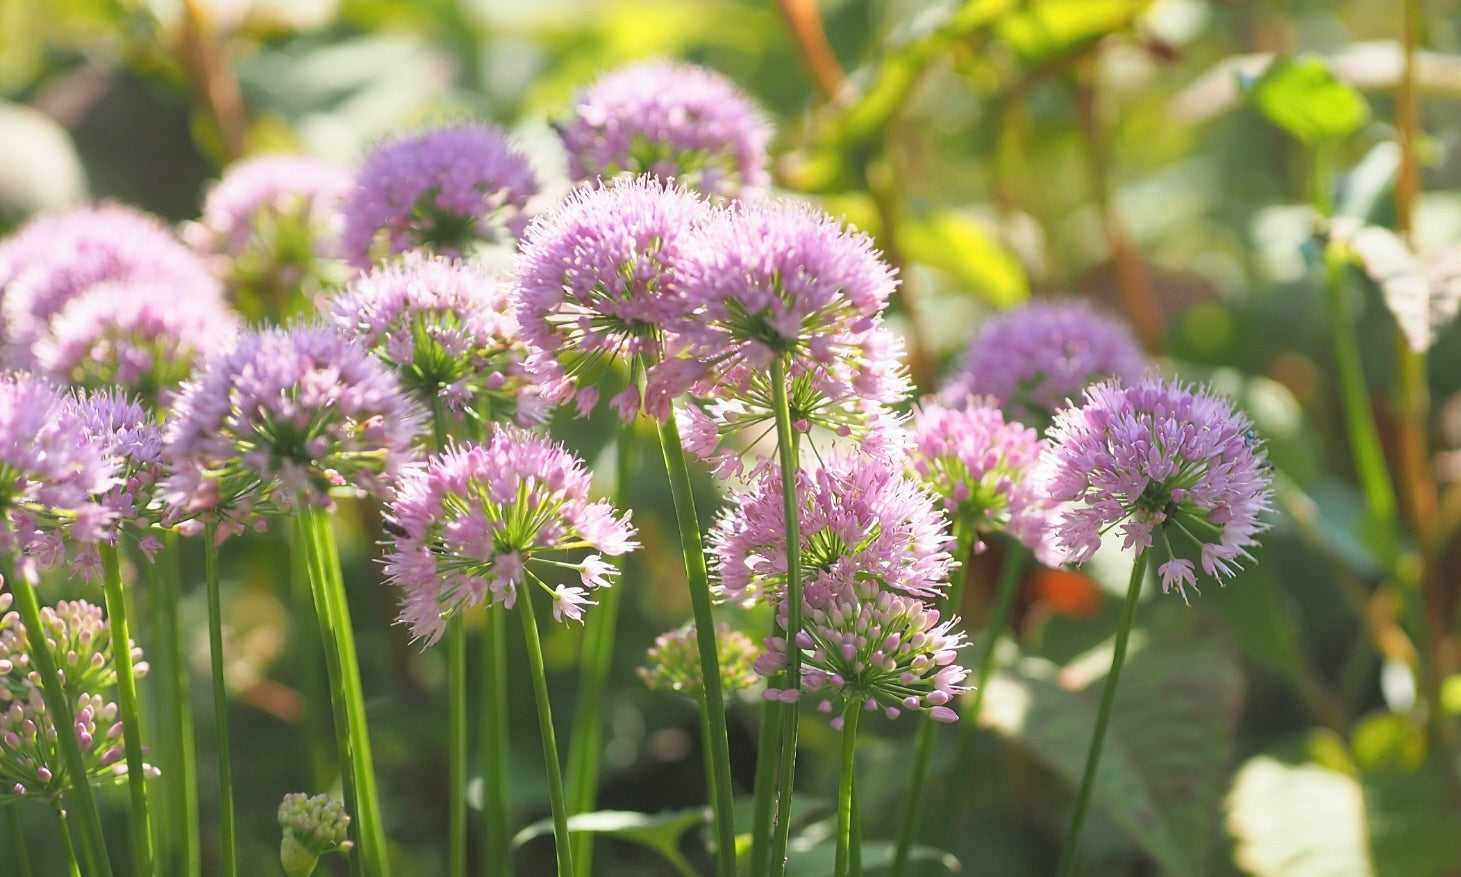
137, 335
443, 190
449, 331
674, 120
52, 259
1034, 359
132, 438
1163, 461
285, 416
600, 279
51, 474
865, 644
859, 520
479, 522
979, 465
258, 198
674, 661
31, 764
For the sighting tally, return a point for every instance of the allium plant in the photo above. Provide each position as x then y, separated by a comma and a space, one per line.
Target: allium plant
600, 279
444, 190
52, 259
1034, 360
674, 661
673, 120
138, 335
131, 438
1159, 459
449, 331
313, 826
286, 415
479, 522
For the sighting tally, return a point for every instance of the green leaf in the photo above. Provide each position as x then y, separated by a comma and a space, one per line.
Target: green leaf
1164, 766
1302, 96
660, 832
820, 860
969, 250
1045, 28
1403, 282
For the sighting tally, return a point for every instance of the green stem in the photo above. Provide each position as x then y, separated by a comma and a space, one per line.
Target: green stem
850, 716
228, 841
786, 447
562, 848
1103, 717
58, 704
17, 841
712, 697
768, 745
352, 732
496, 854
308, 651
586, 737
74, 868
131, 711
456, 704
175, 718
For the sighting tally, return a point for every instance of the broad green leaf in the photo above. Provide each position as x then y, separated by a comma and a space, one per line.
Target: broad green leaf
660, 832
969, 250
1043, 28
1165, 761
1302, 96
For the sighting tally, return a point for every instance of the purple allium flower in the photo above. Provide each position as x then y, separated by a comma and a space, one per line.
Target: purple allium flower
256, 199
779, 279
674, 661
859, 519
477, 522
52, 474
1161, 460
286, 415
1036, 358
599, 280
52, 259
863, 644
673, 120
980, 466
132, 438
137, 335
449, 331
443, 190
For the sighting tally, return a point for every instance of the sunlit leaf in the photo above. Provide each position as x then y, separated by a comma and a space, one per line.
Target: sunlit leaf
660, 832
969, 250
1043, 28
1302, 96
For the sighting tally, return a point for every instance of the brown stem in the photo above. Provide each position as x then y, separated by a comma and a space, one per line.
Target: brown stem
805, 21
204, 55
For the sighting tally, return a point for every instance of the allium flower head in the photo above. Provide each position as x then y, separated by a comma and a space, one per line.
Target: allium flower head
79, 639
980, 465
137, 335
865, 644
477, 522
286, 415
674, 661
131, 438
859, 520
600, 279
258, 198
449, 331
443, 190
1034, 359
673, 120
50, 474
313, 827
52, 259
1163, 461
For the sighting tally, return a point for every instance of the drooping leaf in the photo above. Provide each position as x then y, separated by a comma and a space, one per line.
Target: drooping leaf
1302, 96
660, 832
820, 860
1401, 279
1165, 761
970, 251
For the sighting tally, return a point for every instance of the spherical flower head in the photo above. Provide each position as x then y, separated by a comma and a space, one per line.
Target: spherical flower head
284, 205
51, 474
779, 280
132, 438
285, 416
137, 335
1165, 462
444, 190
674, 661
52, 259
599, 279
480, 521
449, 331
865, 644
859, 518
313, 827
1034, 359
80, 640
672, 120
979, 465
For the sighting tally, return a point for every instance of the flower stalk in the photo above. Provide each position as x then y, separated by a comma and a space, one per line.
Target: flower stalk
228, 842
563, 850
786, 447
845, 813
177, 846
116, 602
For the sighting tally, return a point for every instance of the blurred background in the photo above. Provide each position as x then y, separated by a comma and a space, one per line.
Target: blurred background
998, 150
